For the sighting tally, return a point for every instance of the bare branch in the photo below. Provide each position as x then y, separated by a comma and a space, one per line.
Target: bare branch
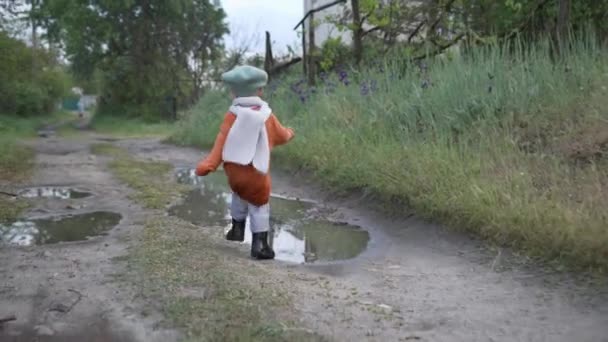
8, 319
373, 29
415, 32
447, 9
441, 48
283, 66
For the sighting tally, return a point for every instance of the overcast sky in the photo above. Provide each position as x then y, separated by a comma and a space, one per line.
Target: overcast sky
249, 19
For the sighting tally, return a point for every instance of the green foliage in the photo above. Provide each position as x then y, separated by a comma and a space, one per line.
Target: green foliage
32, 82
502, 142
138, 53
333, 53
432, 26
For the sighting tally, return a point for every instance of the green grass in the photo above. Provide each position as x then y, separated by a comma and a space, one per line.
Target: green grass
26, 127
209, 295
11, 209
130, 127
149, 179
16, 165
184, 273
17, 159
505, 143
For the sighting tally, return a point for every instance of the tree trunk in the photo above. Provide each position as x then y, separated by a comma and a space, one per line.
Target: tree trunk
357, 32
431, 18
34, 23
268, 59
311, 51
304, 50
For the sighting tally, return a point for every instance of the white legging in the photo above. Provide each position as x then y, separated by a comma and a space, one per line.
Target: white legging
259, 217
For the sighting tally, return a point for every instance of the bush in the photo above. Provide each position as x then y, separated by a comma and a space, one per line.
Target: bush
32, 81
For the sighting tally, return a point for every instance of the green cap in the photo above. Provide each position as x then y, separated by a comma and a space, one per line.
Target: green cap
245, 80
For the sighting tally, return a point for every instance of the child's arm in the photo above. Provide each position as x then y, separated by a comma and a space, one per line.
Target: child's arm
280, 135
214, 159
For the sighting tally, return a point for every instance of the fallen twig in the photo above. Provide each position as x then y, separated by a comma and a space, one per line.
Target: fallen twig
80, 295
8, 194
64, 308
496, 260
8, 319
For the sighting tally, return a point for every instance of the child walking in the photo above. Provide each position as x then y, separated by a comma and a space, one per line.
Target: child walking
247, 135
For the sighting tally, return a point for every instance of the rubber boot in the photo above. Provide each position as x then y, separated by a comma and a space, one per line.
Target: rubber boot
259, 247
237, 232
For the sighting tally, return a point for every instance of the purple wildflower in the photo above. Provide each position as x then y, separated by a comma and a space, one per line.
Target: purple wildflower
364, 89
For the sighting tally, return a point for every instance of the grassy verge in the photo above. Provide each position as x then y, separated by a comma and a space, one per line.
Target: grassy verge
130, 128
184, 274
152, 188
209, 295
16, 162
502, 142
16, 159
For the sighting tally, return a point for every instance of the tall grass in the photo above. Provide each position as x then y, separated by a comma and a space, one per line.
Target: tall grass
15, 158
509, 142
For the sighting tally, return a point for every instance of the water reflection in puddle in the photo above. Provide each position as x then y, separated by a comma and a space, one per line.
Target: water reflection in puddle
297, 236
53, 192
62, 228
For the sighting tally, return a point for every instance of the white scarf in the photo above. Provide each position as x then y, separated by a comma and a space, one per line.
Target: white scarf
247, 141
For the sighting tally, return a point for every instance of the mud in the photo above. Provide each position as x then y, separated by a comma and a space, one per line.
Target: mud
298, 233
69, 291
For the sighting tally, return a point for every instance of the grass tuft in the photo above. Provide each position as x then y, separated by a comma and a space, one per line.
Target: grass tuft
149, 179
208, 295
183, 272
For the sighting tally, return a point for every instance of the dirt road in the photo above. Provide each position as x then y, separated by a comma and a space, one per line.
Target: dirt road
411, 281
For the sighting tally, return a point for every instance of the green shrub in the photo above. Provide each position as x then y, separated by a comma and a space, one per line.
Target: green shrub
32, 81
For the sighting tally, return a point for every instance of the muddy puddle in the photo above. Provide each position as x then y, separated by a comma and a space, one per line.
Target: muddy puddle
297, 235
57, 229
54, 192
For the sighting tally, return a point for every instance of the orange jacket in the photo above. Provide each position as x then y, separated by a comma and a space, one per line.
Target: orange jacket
245, 180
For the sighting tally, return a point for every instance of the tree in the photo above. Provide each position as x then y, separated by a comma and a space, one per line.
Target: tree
436, 25
357, 28
27, 90
146, 50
